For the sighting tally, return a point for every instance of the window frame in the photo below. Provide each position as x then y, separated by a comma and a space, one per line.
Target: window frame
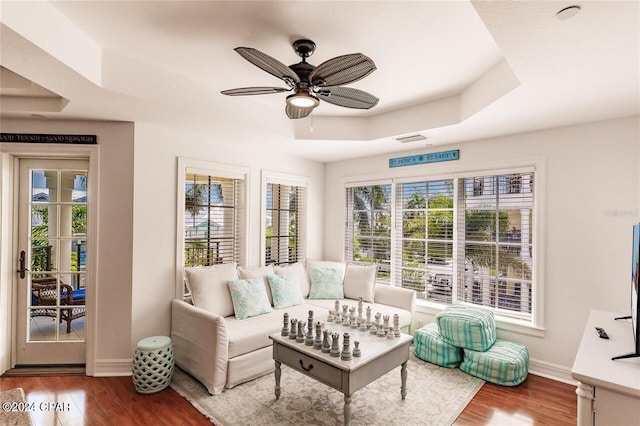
534, 326
210, 168
280, 178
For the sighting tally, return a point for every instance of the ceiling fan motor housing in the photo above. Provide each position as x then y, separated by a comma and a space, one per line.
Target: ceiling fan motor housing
304, 48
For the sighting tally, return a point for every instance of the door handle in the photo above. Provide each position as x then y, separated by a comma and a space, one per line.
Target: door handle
22, 269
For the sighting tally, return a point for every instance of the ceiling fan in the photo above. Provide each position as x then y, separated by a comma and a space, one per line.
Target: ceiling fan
310, 83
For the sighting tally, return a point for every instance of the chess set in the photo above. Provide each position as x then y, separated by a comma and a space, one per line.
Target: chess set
315, 335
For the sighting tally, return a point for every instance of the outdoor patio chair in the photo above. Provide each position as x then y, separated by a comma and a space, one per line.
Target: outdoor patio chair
44, 292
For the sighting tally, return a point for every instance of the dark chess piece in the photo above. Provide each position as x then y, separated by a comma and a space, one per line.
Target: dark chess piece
326, 347
335, 349
294, 329
346, 349
356, 349
285, 328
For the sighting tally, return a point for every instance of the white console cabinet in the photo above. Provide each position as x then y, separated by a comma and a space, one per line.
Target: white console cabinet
608, 391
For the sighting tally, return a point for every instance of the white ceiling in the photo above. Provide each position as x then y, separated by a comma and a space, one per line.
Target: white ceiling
451, 70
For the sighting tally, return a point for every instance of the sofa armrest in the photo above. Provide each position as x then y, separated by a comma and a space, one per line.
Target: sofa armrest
200, 344
398, 297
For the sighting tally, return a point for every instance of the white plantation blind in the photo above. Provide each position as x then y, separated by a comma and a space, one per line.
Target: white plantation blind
457, 239
424, 238
285, 238
495, 229
214, 228
368, 227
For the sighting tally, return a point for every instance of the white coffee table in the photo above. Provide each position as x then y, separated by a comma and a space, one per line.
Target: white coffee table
379, 356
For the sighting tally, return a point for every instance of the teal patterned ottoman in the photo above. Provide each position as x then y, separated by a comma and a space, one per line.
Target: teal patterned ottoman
505, 363
467, 327
430, 347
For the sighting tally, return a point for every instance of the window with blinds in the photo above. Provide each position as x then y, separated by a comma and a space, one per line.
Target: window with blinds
285, 223
459, 239
424, 242
368, 227
496, 238
213, 220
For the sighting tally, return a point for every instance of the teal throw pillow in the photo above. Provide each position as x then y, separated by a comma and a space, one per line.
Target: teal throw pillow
249, 297
285, 291
326, 284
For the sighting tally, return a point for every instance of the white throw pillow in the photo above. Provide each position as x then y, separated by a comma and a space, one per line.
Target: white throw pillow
298, 274
249, 298
209, 289
261, 272
360, 281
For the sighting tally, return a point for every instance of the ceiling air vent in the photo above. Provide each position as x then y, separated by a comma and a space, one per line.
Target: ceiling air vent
411, 138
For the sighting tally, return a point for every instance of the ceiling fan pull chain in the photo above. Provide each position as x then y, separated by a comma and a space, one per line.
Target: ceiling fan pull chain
311, 127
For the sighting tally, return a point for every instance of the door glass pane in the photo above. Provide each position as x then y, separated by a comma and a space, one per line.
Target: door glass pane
43, 221
73, 220
44, 184
74, 186
43, 255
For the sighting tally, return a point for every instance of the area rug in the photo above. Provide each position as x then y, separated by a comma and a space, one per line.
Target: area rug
435, 396
14, 412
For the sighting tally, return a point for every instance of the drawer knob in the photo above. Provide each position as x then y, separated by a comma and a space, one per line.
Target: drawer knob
306, 368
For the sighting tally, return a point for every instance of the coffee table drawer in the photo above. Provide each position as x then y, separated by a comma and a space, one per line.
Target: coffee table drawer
317, 369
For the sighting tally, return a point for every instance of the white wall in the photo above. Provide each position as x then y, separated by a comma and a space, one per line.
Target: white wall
154, 253
115, 232
591, 199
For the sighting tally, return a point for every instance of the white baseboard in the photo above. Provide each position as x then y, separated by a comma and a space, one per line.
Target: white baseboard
112, 367
551, 371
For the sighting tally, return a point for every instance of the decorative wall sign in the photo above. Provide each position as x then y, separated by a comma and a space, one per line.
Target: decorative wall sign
40, 138
434, 157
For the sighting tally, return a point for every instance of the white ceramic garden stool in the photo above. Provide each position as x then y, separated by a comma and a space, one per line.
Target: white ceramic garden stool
153, 364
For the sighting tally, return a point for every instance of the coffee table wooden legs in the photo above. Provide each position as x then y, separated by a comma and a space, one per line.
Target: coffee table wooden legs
278, 374
403, 376
347, 410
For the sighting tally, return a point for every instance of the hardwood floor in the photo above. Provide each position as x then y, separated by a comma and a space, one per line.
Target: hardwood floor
113, 400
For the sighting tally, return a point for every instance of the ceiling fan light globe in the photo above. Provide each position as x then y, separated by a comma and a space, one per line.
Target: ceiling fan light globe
303, 100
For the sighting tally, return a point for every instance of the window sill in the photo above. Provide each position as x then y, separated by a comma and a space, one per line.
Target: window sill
502, 323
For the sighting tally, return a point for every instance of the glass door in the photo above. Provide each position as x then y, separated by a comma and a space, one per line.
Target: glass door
52, 228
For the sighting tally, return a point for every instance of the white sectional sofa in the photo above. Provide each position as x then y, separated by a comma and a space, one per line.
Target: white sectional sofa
212, 344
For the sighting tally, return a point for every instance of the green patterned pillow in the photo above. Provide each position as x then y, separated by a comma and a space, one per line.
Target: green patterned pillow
285, 291
326, 284
249, 297
467, 327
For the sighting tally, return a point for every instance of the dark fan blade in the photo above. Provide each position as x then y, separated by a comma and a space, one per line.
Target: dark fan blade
342, 70
242, 91
294, 112
267, 63
348, 97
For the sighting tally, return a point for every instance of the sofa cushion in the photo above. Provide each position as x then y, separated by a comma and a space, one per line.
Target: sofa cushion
467, 327
284, 291
360, 281
326, 283
298, 273
505, 363
253, 333
249, 297
209, 289
261, 272
430, 347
